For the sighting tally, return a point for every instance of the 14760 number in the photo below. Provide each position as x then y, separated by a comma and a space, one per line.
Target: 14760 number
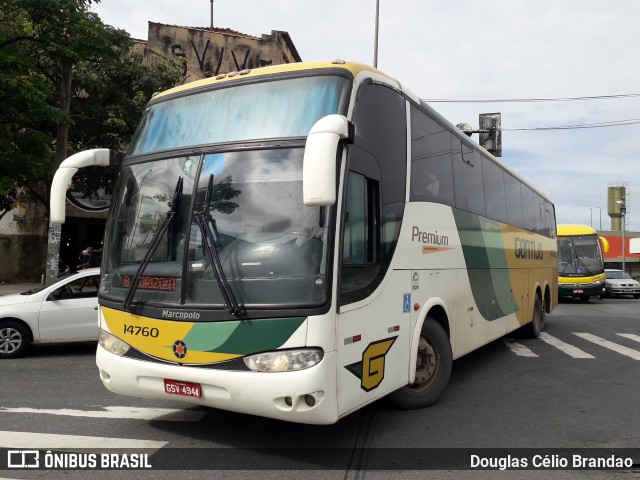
142, 331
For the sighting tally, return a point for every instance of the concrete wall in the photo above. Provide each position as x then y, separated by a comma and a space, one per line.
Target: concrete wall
23, 242
208, 52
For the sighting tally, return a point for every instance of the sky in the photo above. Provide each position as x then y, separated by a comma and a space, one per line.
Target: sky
476, 50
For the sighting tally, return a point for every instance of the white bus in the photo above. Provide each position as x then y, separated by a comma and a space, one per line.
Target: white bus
300, 240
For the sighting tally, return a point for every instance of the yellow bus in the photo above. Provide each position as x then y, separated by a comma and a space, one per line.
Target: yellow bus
580, 261
298, 241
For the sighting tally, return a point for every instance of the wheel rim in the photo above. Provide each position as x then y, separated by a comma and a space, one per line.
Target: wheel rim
10, 340
426, 364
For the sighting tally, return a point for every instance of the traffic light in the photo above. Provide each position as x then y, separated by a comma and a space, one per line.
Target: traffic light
491, 133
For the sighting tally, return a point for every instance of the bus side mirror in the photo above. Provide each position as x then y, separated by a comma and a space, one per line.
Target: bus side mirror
66, 171
319, 167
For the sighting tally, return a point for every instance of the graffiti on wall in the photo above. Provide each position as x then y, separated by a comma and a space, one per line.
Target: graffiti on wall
212, 59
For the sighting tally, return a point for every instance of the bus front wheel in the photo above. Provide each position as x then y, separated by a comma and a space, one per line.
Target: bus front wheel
433, 369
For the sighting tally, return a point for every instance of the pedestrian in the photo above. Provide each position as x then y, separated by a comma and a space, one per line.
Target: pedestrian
88, 259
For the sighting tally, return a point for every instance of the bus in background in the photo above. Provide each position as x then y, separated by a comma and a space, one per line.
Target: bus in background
580, 261
298, 241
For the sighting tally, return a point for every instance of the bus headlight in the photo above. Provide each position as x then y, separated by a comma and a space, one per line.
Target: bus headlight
284, 360
112, 344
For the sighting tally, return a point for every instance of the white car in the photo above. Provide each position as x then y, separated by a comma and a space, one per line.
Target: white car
65, 310
618, 282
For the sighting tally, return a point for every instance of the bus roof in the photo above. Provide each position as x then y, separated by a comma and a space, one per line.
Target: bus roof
575, 229
353, 67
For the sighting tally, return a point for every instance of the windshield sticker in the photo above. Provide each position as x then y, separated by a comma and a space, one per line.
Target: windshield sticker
187, 165
213, 164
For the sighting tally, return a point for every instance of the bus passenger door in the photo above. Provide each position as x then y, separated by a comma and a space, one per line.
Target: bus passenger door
373, 299
375, 304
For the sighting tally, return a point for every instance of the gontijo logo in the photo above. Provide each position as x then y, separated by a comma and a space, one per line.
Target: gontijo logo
370, 370
528, 249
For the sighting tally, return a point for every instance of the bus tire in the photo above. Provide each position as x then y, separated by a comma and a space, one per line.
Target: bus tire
14, 339
533, 328
434, 363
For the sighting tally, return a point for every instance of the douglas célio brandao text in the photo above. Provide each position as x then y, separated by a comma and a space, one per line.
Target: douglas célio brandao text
554, 461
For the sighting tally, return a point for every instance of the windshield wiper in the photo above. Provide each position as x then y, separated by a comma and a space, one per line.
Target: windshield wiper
209, 247
583, 264
177, 193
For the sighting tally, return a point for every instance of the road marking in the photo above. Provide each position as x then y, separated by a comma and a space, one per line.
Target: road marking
630, 336
621, 349
129, 413
52, 441
518, 348
570, 350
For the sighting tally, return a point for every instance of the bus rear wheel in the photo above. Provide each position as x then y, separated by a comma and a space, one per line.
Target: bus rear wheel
533, 329
433, 369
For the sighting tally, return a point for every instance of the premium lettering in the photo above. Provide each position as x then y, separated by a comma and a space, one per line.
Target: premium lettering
431, 238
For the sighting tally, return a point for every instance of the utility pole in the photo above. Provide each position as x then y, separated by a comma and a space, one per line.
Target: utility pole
375, 44
211, 27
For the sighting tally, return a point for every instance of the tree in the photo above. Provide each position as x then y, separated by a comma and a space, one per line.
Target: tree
69, 82
107, 104
25, 149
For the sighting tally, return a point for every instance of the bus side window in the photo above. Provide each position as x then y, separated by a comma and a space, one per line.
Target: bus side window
494, 191
467, 177
431, 170
361, 266
528, 208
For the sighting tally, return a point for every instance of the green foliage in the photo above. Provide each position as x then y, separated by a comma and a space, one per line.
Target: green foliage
69, 83
223, 192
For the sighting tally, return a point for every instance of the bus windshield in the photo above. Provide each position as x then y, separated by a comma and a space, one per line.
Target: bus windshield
275, 109
248, 205
579, 255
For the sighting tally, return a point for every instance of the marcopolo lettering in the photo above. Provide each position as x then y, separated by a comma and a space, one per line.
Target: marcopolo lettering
528, 249
431, 238
180, 315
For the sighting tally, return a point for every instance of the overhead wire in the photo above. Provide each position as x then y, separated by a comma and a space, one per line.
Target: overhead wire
613, 123
531, 100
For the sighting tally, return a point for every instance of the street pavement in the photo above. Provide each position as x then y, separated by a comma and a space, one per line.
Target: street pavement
7, 287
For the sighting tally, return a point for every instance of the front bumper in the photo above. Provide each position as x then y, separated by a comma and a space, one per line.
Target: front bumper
279, 395
622, 290
581, 289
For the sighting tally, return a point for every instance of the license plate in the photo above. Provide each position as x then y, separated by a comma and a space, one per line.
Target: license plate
186, 389
578, 291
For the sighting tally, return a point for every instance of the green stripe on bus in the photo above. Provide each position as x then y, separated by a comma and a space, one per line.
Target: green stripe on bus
484, 254
242, 337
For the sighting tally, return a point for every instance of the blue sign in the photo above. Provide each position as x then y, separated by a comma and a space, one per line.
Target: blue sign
406, 303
